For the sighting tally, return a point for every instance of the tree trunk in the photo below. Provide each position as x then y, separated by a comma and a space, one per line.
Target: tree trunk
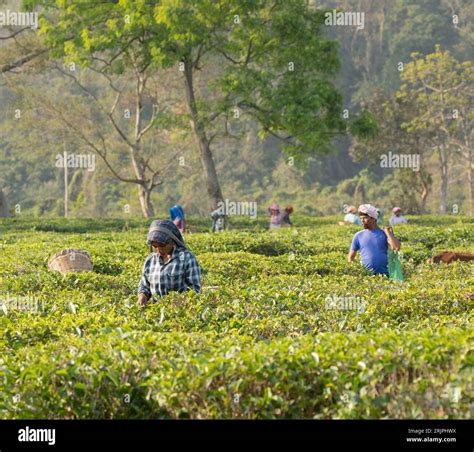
443, 167
468, 154
145, 202
3, 205
144, 193
207, 162
66, 187
424, 195
425, 183
470, 181
359, 192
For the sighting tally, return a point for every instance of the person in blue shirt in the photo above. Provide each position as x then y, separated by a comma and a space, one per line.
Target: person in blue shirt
177, 217
372, 242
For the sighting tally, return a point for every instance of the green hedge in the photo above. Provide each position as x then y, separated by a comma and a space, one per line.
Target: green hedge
267, 344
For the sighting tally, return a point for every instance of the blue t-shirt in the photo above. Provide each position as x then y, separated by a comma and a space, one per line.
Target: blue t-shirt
373, 246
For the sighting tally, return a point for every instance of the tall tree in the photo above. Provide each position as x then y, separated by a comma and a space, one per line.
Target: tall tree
3, 205
276, 65
115, 117
441, 88
111, 43
392, 113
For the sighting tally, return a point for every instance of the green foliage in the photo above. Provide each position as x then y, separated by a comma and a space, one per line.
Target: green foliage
368, 56
265, 345
365, 125
277, 65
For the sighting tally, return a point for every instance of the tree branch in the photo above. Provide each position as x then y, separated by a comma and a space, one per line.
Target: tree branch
21, 30
100, 106
79, 133
151, 123
21, 61
161, 170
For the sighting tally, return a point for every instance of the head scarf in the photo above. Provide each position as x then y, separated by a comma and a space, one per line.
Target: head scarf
165, 231
396, 209
369, 210
274, 207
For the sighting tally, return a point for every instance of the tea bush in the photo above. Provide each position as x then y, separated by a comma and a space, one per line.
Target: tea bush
294, 331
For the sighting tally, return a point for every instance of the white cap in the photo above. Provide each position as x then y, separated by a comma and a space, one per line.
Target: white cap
369, 210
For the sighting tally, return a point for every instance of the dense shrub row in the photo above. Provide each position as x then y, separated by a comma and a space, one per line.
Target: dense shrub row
294, 330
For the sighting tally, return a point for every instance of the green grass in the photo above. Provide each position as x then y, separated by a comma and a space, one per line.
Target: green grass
266, 345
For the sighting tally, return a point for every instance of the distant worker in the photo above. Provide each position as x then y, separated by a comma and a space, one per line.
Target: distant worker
217, 220
397, 217
285, 216
275, 218
372, 242
351, 216
177, 217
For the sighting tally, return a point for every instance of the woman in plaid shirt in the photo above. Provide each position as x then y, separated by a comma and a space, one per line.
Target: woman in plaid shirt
171, 266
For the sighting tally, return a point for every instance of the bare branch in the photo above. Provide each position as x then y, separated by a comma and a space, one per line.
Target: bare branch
228, 57
151, 123
213, 116
103, 156
286, 139
161, 170
114, 106
111, 83
79, 133
21, 61
446, 90
200, 53
21, 30
249, 53
211, 138
100, 106
253, 106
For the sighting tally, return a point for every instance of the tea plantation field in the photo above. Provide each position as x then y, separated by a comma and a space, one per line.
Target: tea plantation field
294, 330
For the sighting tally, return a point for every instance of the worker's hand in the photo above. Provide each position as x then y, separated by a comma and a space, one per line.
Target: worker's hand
388, 230
142, 299
393, 242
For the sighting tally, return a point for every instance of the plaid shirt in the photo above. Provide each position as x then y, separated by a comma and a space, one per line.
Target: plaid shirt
182, 272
